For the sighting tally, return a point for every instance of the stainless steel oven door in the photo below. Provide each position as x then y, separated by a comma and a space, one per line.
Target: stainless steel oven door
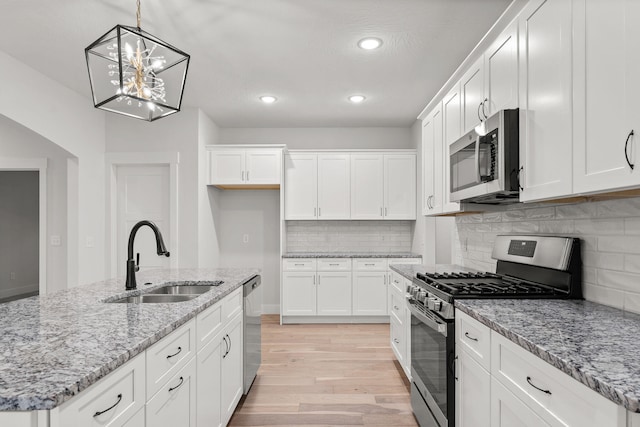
432, 353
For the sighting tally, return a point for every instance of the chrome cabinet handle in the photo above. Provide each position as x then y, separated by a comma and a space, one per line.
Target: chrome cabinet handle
385, 211
319, 211
395, 340
370, 265
536, 387
247, 176
110, 407
229, 338
380, 211
175, 354
315, 211
178, 386
314, 279
299, 265
483, 113
479, 106
395, 307
335, 264
466, 334
242, 175
226, 347
626, 154
385, 279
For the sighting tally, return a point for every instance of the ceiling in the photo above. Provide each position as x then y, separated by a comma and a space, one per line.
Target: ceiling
302, 51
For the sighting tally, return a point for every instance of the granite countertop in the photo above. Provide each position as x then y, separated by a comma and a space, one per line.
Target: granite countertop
409, 271
54, 346
595, 344
349, 255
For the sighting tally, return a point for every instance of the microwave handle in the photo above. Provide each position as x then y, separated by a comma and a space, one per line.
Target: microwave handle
477, 157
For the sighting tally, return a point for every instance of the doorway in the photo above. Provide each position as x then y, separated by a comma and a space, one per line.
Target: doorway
19, 234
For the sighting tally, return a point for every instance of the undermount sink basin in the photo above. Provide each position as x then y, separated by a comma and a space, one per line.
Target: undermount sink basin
155, 298
182, 290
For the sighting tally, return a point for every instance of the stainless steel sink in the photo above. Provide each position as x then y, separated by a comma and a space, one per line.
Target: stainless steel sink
182, 290
155, 298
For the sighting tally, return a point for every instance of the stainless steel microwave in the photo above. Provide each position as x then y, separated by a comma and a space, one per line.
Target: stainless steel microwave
484, 163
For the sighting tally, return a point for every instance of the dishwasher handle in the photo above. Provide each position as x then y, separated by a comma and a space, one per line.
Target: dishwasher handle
251, 285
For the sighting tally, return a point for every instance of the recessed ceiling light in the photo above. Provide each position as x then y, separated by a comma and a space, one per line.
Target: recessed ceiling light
356, 99
268, 99
370, 43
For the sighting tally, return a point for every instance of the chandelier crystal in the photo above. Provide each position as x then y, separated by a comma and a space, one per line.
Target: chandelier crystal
136, 74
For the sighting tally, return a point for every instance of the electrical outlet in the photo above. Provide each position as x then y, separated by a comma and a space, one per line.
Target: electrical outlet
55, 241
12, 275
90, 241
245, 238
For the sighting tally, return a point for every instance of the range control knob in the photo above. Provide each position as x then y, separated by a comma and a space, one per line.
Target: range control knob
434, 304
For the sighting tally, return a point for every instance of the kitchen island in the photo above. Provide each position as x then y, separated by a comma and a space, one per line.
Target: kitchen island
54, 347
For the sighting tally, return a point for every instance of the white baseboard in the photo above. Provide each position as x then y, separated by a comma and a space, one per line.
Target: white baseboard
270, 308
18, 290
334, 319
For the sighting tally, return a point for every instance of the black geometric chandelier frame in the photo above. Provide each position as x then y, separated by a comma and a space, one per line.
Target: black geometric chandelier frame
135, 73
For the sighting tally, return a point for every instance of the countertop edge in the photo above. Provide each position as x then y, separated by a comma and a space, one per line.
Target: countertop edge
348, 255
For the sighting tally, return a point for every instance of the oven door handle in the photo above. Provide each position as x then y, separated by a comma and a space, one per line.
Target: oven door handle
441, 328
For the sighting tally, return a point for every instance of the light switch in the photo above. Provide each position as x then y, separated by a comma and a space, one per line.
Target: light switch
245, 238
90, 241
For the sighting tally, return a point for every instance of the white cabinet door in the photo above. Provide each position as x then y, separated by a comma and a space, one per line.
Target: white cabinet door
175, 403
299, 293
397, 340
448, 133
501, 71
472, 96
226, 167
546, 99
208, 384
509, 411
334, 189
399, 186
262, 166
432, 162
370, 293
301, 183
232, 379
473, 391
367, 186
606, 110
334, 293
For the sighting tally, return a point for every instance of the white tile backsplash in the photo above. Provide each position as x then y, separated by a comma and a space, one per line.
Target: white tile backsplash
610, 233
350, 236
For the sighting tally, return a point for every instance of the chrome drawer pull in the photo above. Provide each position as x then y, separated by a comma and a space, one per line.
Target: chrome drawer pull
299, 265
109, 408
175, 354
466, 334
181, 381
536, 387
335, 264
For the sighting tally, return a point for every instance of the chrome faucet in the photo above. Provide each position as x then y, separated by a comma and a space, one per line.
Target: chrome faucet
134, 265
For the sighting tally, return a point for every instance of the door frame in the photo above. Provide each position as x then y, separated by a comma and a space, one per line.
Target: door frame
156, 158
39, 164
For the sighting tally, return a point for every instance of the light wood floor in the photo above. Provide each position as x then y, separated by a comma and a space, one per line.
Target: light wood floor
326, 375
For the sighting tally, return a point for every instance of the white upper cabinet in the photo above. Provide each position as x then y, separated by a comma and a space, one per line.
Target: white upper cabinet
429, 174
367, 180
334, 189
472, 96
546, 99
301, 184
501, 72
606, 84
399, 186
229, 166
448, 133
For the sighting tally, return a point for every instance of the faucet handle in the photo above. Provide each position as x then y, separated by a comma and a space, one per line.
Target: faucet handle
138, 261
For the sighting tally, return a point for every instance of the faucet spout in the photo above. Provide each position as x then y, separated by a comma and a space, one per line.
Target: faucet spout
132, 265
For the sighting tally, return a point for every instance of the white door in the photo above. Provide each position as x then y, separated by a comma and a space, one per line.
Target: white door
298, 293
263, 166
226, 167
175, 403
400, 186
606, 69
509, 411
473, 391
143, 193
334, 293
232, 379
546, 137
334, 190
301, 186
472, 93
501, 71
370, 293
451, 130
367, 186
428, 174
208, 395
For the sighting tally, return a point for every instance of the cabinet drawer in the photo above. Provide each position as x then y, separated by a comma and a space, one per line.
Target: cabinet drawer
475, 337
370, 264
232, 305
405, 261
208, 324
334, 264
169, 355
397, 340
556, 397
397, 306
299, 264
175, 402
398, 282
118, 396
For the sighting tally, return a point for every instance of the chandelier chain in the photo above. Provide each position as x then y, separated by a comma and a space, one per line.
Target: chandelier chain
138, 13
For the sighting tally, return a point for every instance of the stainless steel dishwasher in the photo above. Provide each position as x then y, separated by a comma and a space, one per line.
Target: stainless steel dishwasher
252, 330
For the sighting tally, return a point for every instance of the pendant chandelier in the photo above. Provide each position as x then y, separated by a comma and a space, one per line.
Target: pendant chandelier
135, 73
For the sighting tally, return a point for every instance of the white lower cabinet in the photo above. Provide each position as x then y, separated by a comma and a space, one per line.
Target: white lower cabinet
299, 293
175, 402
400, 319
232, 378
334, 293
208, 386
520, 388
370, 293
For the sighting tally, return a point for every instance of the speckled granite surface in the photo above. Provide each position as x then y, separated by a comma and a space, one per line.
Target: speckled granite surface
348, 255
595, 344
55, 346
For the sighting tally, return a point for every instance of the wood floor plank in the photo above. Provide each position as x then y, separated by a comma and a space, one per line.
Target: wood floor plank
326, 375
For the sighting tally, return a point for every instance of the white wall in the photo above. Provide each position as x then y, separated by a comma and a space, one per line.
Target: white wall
17, 141
321, 138
19, 232
68, 120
